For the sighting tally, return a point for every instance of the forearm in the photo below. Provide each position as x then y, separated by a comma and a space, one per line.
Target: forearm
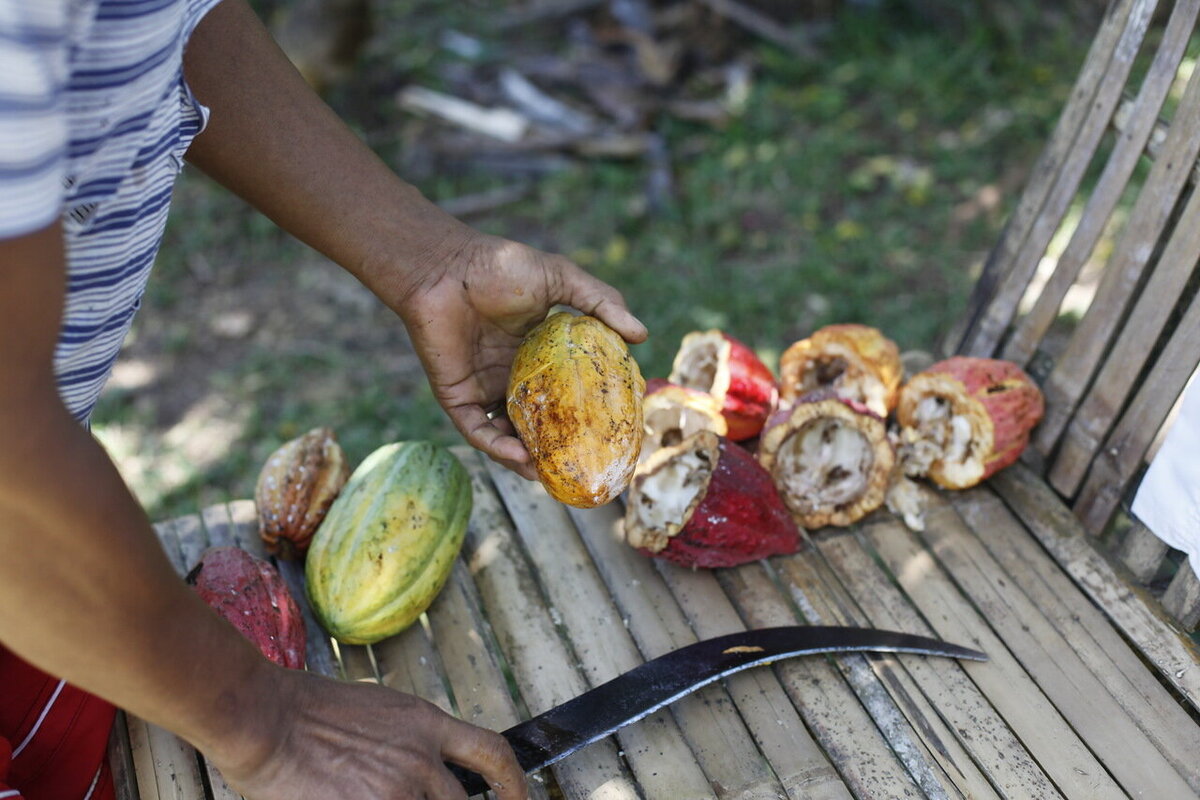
90, 597
276, 144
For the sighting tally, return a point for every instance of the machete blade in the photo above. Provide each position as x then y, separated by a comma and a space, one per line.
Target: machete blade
555, 734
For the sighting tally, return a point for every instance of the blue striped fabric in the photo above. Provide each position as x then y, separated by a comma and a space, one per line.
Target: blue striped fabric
95, 118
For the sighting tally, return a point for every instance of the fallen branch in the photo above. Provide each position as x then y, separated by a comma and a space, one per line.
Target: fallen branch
481, 202
541, 107
499, 123
761, 25
536, 12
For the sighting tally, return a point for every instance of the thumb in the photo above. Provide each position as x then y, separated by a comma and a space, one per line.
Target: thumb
593, 296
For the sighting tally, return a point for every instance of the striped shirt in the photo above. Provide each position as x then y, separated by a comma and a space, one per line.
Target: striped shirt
95, 118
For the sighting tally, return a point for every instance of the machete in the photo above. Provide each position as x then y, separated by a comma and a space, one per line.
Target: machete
555, 734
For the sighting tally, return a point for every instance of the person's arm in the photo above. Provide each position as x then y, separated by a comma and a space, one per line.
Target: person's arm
88, 595
465, 298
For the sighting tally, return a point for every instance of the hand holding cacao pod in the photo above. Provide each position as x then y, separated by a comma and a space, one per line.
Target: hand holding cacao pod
467, 315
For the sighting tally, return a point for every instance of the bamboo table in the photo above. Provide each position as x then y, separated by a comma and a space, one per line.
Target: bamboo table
547, 601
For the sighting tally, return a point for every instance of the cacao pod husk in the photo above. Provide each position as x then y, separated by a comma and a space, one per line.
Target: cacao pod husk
295, 488
251, 595
715, 362
671, 413
965, 418
388, 543
706, 502
830, 458
575, 400
856, 361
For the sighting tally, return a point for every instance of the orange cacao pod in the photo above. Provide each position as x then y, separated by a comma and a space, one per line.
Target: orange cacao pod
575, 400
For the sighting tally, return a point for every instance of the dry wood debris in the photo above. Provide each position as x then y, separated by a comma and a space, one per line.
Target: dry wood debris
562, 80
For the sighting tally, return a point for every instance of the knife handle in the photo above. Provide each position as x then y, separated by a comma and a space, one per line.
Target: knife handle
473, 782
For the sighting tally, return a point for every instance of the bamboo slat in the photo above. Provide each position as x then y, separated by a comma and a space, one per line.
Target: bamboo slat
408, 663
120, 760
1074, 369
542, 666
986, 319
928, 749
1139, 333
1031, 714
1171, 652
465, 652
940, 770
1079, 694
658, 625
1122, 454
844, 728
1134, 136
1072, 166
167, 767
1182, 598
981, 730
656, 750
470, 660
1141, 552
1088, 633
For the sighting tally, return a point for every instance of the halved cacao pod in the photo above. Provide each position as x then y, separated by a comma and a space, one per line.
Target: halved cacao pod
251, 595
671, 413
575, 399
389, 542
715, 362
830, 459
295, 488
856, 361
706, 502
965, 418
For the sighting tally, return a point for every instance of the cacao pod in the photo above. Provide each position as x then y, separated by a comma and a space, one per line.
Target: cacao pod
575, 400
706, 502
388, 543
671, 413
251, 595
830, 458
965, 418
856, 361
715, 362
296, 486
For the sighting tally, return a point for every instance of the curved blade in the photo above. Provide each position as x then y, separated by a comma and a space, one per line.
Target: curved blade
555, 734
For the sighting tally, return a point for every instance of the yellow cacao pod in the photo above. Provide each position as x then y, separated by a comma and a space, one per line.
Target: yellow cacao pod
575, 399
388, 543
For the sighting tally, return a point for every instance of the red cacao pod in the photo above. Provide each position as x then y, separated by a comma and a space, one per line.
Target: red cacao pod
706, 502
250, 594
830, 458
715, 362
965, 418
856, 361
295, 488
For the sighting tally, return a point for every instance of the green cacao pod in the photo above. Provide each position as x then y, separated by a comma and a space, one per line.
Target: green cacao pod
389, 541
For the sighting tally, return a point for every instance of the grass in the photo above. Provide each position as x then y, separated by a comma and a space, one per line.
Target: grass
866, 185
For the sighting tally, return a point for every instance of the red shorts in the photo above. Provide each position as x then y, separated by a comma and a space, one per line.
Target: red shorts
53, 737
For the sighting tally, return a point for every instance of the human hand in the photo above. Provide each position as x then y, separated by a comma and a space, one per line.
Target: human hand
357, 741
466, 315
